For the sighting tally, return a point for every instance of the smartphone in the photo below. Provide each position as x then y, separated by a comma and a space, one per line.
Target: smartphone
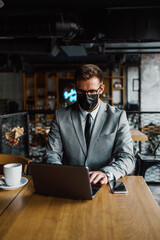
117, 187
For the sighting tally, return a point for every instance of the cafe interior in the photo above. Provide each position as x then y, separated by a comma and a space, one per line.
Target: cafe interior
42, 43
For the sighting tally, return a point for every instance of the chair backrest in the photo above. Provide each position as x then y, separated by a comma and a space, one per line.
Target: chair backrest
9, 158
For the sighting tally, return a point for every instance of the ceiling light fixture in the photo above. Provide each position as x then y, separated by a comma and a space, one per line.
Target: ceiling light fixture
1, 3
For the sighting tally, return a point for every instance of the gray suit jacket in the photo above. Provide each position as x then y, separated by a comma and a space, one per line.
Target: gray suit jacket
110, 146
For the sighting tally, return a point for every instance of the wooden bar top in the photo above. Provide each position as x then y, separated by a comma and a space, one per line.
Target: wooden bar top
137, 135
132, 216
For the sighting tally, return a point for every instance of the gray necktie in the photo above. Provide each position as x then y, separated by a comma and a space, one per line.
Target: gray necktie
88, 129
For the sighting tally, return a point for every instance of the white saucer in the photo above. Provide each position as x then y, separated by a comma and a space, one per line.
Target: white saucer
4, 186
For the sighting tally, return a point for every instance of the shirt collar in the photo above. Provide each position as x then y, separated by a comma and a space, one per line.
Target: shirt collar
93, 113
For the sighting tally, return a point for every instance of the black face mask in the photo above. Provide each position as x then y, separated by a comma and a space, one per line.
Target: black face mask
87, 102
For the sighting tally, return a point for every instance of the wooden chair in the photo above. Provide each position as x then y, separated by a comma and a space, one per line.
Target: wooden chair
9, 158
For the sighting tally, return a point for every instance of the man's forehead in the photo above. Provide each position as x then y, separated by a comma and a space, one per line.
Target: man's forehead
91, 80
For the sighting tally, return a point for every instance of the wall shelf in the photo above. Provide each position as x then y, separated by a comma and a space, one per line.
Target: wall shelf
35, 86
117, 94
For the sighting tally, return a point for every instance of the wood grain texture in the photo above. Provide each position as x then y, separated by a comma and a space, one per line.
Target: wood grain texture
6, 197
138, 135
134, 215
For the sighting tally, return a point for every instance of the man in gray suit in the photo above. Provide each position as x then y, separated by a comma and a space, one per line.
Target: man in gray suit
91, 133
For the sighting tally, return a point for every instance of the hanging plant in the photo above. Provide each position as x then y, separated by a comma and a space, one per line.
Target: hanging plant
153, 132
153, 143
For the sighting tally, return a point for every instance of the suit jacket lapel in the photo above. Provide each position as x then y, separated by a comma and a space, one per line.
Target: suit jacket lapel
75, 115
99, 121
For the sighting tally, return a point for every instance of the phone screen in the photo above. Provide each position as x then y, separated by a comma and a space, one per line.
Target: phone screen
117, 187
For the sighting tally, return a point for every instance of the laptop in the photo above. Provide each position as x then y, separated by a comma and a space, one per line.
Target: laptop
62, 181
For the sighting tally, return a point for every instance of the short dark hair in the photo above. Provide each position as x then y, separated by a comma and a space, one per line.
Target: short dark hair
87, 71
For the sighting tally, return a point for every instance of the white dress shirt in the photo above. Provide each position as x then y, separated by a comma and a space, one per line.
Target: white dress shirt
83, 117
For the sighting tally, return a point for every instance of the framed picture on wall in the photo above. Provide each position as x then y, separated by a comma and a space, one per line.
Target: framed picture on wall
135, 85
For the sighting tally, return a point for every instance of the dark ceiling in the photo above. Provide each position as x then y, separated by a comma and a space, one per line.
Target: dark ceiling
55, 33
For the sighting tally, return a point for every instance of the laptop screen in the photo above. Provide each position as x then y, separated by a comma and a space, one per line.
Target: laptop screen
62, 181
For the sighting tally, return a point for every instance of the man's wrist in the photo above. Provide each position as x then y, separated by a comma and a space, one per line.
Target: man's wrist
109, 175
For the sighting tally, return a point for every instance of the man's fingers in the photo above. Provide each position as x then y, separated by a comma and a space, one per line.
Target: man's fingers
97, 178
104, 180
93, 175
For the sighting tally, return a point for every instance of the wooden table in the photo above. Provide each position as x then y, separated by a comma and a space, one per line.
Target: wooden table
132, 216
137, 135
6, 197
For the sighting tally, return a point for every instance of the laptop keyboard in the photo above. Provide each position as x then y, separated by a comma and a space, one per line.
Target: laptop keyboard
95, 189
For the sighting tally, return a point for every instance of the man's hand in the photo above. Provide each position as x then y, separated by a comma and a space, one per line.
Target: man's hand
98, 176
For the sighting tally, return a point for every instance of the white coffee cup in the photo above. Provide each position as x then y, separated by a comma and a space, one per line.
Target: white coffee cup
12, 173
